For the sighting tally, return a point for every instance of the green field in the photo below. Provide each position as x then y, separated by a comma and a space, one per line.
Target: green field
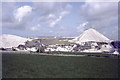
38, 66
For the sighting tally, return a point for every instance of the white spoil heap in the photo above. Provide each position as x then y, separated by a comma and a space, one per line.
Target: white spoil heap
9, 41
91, 35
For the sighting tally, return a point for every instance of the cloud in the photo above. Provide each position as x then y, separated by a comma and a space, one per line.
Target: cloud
35, 28
21, 12
47, 14
12, 20
98, 10
82, 27
101, 0
53, 23
52, 13
51, 16
56, 20
101, 16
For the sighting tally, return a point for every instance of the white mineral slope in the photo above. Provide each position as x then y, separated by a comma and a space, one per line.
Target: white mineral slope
9, 41
91, 35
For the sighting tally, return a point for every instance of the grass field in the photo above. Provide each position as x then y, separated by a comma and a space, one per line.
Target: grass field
38, 66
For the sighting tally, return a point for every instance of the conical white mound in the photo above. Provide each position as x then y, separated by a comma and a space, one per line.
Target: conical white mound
9, 41
91, 35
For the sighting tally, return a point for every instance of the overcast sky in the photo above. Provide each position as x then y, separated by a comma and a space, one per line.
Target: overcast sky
59, 19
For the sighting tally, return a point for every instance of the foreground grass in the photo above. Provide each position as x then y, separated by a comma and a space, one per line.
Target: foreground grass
37, 66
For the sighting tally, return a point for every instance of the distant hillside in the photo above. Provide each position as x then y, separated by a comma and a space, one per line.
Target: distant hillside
48, 41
